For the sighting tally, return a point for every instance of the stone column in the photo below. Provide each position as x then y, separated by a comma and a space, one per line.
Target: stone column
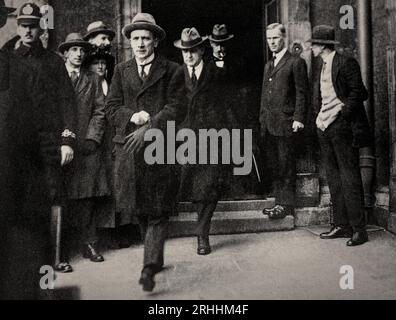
391, 62
126, 10
367, 159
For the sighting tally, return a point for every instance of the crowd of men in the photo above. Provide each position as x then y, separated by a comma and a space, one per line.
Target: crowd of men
73, 125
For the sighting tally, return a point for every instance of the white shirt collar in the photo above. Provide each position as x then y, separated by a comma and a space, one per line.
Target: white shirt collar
146, 63
70, 69
198, 70
329, 59
278, 56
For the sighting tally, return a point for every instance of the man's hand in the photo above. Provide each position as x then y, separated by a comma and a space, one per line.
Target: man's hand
297, 126
140, 118
67, 155
135, 141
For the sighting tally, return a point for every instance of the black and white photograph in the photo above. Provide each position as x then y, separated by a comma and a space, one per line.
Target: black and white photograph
197, 150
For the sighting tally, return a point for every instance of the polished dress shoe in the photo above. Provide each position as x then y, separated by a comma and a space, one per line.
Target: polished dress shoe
90, 252
337, 232
147, 281
203, 246
63, 267
357, 239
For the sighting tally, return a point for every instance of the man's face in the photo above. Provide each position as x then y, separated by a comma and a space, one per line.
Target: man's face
29, 33
99, 66
316, 49
275, 40
219, 49
75, 56
100, 40
143, 44
192, 57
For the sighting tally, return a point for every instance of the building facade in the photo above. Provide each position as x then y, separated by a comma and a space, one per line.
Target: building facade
363, 27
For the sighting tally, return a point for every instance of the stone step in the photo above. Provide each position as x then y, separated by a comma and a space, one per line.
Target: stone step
238, 205
230, 222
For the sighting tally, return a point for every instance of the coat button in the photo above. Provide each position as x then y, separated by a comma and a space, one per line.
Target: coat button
270, 79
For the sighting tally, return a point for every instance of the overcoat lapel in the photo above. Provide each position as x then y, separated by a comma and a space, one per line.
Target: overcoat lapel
82, 82
281, 63
203, 80
157, 71
335, 69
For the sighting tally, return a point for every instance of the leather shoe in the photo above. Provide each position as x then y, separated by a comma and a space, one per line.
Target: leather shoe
63, 267
203, 246
92, 254
357, 239
147, 281
337, 232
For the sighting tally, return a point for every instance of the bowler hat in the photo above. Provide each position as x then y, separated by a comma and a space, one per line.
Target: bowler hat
74, 40
29, 13
98, 27
323, 34
4, 9
220, 33
190, 38
144, 21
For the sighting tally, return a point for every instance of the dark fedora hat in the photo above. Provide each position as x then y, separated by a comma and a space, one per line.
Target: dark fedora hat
323, 34
74, 40
4, 9
190, 38
29, 13
98, 27
144, 21
220, 33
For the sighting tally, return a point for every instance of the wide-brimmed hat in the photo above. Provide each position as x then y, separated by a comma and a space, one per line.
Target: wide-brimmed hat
4, 9
190, 38
220, 33
74, 40
144, 21
323, 34
29, 13
99, 53
98, 27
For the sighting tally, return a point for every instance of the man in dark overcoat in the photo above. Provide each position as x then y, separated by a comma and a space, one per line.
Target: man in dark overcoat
207, 109
145, 92
58, 93
88, 182
30, 135
282, 116
342, 128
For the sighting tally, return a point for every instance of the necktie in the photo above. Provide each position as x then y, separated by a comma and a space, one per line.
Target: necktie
272, 65
143, 74
194, 79
74, 77
324, 67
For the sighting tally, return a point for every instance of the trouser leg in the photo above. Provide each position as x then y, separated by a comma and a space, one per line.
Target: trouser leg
205, 214
330, 164
84, 209
286, 160
156, 232
351, 181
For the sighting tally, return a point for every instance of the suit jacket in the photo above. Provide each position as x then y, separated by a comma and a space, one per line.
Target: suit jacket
349, 87
284, 95
88, 170
208, 108
162, 96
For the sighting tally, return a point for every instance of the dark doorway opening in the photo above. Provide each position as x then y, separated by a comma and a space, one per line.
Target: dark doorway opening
244, 19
